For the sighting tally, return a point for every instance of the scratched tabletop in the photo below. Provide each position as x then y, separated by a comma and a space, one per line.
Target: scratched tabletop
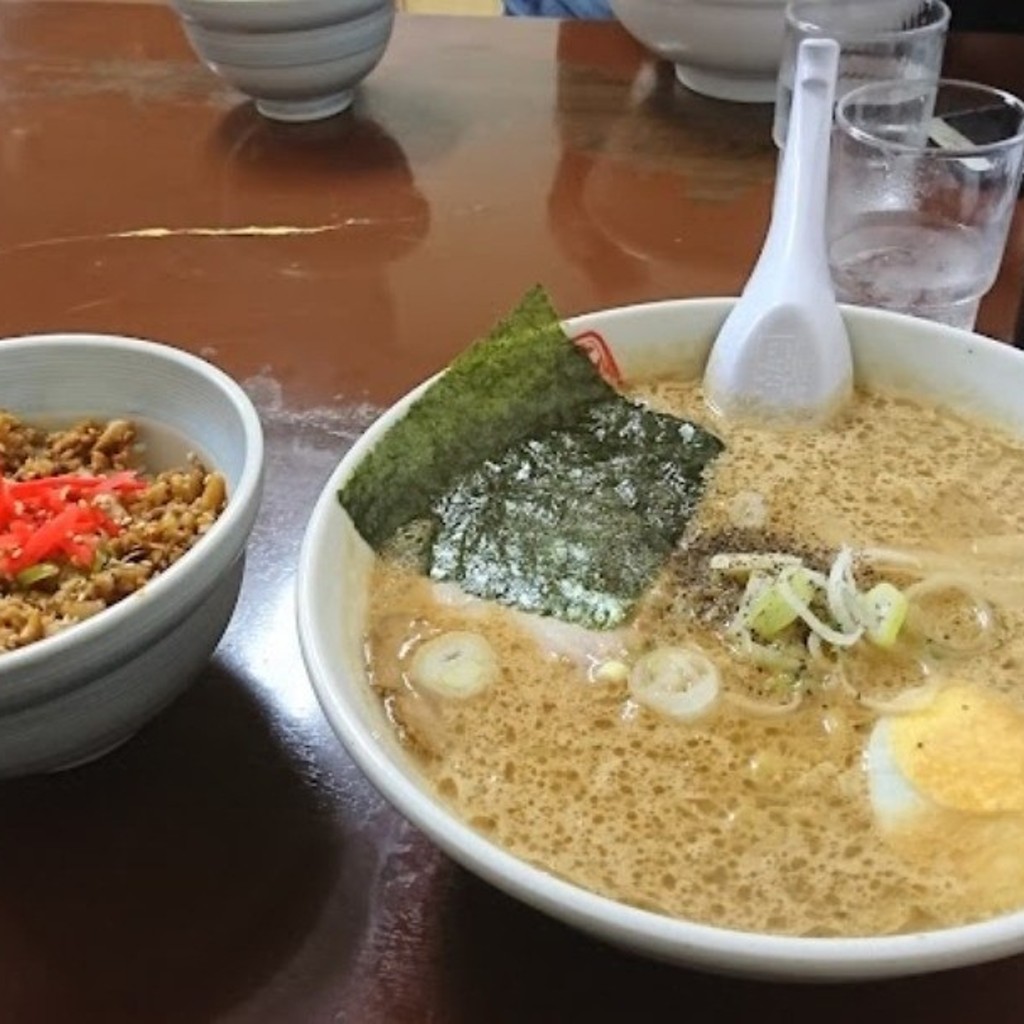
230, 863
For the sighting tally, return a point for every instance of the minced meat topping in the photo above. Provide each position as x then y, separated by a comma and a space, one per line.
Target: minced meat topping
83, 523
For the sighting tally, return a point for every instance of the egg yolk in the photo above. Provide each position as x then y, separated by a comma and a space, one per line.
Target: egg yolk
965, 751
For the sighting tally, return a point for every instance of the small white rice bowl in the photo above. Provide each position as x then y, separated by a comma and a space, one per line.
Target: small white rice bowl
72, 696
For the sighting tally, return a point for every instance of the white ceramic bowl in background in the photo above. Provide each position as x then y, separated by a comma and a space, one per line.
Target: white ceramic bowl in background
300, 60
965, 371
70, 697
727, 49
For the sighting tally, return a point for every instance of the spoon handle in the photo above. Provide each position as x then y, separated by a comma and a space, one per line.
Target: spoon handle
797, 231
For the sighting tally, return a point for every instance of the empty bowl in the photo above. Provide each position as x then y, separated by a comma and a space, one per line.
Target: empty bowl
300, 60
726, 49
73, 695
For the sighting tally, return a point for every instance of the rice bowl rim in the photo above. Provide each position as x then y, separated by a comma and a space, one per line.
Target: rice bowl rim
225, 534
723, 950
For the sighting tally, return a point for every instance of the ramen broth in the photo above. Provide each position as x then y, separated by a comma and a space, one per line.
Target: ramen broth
757, 817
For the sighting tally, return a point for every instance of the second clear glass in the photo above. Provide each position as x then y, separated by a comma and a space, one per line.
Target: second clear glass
922, 188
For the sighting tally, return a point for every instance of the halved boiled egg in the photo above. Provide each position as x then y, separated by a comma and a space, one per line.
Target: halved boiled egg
964, 751
946, 784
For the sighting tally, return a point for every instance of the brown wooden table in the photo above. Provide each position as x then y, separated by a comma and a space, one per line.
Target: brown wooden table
230, 863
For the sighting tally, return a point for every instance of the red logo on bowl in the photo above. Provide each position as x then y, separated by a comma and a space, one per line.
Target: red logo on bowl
600, 355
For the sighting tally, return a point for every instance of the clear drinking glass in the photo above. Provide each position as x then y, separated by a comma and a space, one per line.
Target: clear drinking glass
878, 40
922, 188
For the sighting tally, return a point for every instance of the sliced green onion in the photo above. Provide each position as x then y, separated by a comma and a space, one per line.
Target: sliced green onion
803, 610
36, 573
841, 593
885, 611
746, 563
676, 682
457, 665
612, 671
770, 612
780, 589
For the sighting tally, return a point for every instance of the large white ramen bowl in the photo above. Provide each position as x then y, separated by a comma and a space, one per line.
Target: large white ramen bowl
966, 371
77, 694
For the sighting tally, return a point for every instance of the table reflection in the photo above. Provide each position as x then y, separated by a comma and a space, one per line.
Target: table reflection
359, 211
698, 173
190, 839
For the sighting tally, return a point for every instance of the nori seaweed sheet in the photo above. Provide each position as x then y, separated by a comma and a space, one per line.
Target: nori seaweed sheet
523, 378
547, 489
577, 522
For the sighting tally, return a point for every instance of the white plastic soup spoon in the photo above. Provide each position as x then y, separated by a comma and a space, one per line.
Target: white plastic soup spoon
783, 356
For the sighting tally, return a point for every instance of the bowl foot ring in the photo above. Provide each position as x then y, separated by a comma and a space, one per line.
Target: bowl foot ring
735, 88
314, 109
